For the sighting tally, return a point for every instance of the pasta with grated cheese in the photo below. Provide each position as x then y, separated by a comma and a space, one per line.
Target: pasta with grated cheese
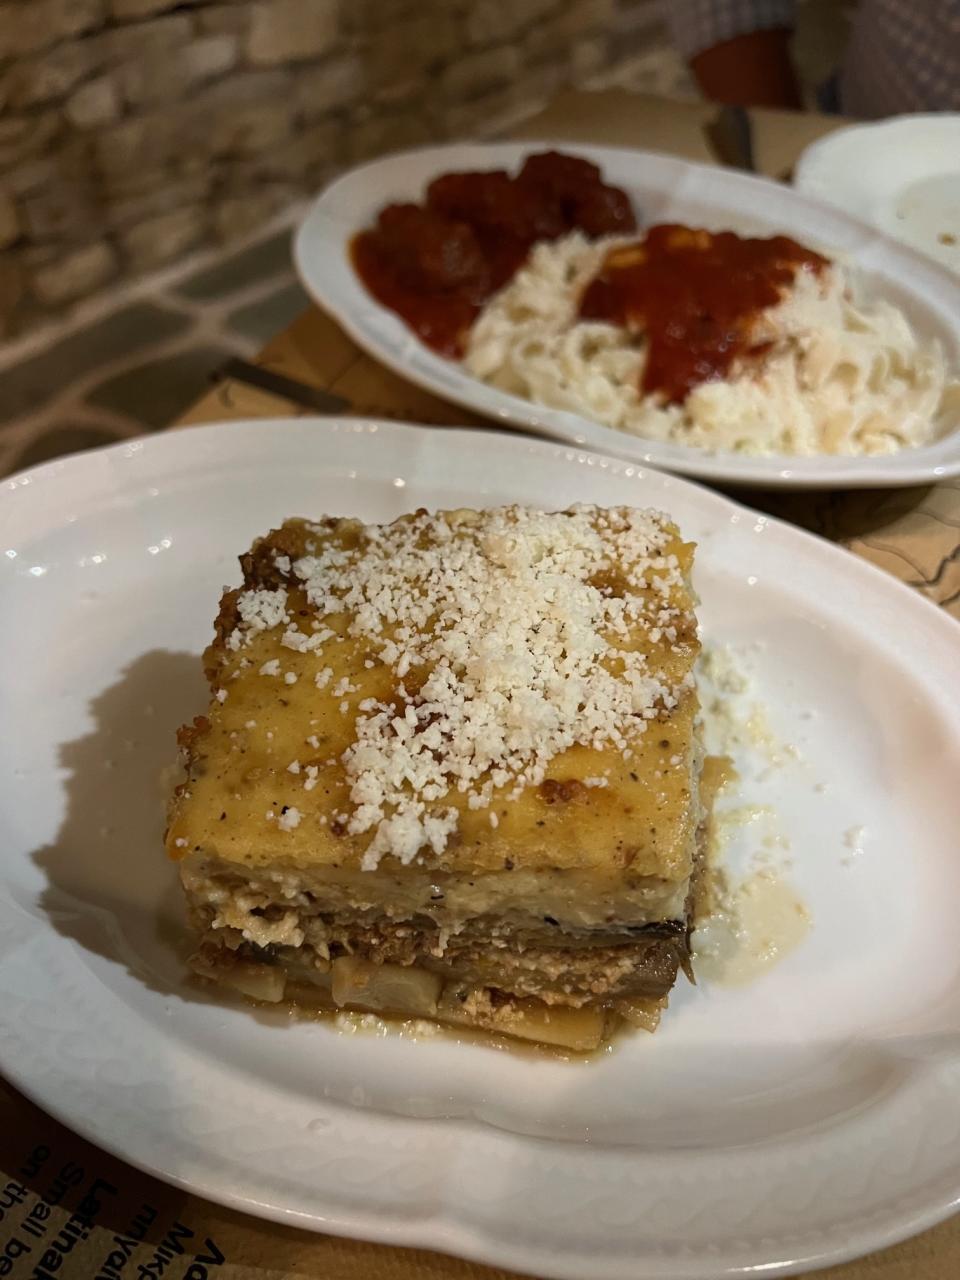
839, 376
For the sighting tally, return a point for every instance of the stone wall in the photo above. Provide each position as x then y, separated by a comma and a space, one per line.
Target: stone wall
135, 131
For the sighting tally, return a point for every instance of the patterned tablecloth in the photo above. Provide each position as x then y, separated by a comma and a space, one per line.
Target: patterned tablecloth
141, 1225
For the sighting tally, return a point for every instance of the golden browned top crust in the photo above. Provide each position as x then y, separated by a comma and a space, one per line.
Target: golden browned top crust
469, 692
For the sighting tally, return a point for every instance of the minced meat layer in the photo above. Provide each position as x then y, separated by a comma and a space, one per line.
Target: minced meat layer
555, 965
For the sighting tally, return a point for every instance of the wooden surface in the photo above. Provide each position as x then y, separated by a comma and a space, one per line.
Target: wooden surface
913, 534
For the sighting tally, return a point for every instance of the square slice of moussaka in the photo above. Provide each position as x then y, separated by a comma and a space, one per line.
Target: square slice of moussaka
449, 770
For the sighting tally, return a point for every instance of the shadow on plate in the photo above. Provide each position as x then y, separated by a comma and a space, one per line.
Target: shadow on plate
110, 886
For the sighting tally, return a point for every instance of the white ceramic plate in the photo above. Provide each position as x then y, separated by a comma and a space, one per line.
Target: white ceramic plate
902, 175
806, 1118
663, 189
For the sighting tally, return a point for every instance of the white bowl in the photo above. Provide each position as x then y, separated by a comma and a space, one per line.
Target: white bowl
901, 175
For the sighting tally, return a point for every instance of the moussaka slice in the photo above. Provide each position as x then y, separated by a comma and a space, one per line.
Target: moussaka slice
450, 770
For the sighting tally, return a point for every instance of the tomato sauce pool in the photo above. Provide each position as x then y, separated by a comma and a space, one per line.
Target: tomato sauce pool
694, 296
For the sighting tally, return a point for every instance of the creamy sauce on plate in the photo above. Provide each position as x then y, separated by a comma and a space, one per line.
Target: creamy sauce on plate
747, 929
